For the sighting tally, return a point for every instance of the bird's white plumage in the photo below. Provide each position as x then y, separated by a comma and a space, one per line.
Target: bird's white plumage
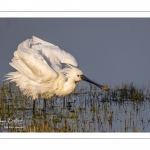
40, 70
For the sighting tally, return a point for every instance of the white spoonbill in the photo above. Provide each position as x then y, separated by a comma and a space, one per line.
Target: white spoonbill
45, 70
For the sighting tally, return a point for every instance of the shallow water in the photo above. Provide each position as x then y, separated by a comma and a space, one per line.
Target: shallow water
82, 111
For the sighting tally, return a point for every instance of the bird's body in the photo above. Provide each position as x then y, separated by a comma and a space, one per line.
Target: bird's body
45, 70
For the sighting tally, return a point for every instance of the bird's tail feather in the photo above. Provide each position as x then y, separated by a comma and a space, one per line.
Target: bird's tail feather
13, 76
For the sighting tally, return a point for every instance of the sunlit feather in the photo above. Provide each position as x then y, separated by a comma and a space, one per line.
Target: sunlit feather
44, 70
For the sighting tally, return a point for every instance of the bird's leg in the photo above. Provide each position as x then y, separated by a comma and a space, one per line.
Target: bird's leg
64, 104
33, 106
44, 105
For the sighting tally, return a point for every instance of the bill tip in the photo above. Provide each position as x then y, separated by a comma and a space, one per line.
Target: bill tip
105, 88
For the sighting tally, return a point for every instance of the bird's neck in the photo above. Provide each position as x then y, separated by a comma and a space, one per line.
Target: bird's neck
66, 88
69, 86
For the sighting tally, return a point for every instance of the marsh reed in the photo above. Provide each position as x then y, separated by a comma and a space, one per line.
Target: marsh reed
124, 108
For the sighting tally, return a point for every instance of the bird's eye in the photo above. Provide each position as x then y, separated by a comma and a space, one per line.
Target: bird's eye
77, 75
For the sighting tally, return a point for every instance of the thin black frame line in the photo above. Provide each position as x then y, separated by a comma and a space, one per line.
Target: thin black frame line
76, 11
51, 17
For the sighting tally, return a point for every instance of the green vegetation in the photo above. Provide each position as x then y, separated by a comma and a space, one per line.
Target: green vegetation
124, 108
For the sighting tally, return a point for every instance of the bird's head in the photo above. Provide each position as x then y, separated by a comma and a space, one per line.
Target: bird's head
75, 75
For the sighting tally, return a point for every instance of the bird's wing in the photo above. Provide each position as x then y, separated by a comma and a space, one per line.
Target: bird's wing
32, 64
39, 60
52, 54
